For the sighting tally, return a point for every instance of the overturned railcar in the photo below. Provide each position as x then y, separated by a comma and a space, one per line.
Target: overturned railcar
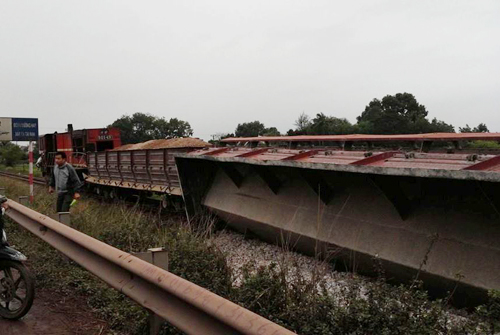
431, 215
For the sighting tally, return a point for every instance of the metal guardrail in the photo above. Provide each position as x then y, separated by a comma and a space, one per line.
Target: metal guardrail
189, 307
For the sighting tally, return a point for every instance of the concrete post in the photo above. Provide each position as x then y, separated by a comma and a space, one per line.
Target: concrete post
24, 200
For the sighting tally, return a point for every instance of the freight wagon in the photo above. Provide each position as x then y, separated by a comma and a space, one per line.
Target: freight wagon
142, 169
434, 216
431, 216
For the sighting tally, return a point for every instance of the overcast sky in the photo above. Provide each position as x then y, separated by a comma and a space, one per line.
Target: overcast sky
219, 63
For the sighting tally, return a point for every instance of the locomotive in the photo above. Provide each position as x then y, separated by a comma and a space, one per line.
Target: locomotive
76, 144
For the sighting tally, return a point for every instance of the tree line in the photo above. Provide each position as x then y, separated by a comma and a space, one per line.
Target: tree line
141, 127
393, 114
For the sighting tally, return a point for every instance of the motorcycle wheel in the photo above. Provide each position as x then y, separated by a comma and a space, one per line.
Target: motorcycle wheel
17, 290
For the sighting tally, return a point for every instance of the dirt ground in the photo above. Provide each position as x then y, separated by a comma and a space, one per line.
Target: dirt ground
53, 314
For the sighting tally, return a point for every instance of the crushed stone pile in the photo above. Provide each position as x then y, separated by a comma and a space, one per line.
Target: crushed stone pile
170, 143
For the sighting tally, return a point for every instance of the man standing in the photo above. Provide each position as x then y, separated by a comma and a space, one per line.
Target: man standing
65, 182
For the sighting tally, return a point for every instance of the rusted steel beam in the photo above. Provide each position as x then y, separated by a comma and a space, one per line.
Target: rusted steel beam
131, 185
485, 165
217, 151
450, 137
375, 158
252, 153
189, 307
301, 155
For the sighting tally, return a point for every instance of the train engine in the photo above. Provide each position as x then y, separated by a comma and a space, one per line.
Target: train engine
76, 144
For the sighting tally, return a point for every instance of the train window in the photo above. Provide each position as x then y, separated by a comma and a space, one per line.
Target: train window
78, 145
104, 145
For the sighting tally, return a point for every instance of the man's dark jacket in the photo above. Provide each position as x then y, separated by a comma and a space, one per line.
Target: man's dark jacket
73, 184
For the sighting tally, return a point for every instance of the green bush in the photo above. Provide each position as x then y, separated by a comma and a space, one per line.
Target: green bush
483, 145
11, 154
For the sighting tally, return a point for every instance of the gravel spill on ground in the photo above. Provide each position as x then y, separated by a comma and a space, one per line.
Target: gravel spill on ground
241, 251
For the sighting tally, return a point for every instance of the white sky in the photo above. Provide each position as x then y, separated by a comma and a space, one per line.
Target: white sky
219, 63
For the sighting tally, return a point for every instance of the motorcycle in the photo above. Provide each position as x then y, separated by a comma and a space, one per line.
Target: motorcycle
17, 285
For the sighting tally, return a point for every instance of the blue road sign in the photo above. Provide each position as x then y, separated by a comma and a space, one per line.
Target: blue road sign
24, 129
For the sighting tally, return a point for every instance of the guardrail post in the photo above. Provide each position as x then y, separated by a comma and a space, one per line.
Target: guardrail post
159, 258
2, 190
63, 217
24, 200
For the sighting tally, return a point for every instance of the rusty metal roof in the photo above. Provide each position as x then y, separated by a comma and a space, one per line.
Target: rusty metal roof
371, 138
388, 159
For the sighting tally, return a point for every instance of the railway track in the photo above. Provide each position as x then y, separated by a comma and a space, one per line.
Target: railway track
36, 180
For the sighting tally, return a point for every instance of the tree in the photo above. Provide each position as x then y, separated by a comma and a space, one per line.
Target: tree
481, 128
272, 131
216, 138
172, 128
302, 123
250, 129
142, 127
329, 125
11, 154
321, 125
437, 126
398, 114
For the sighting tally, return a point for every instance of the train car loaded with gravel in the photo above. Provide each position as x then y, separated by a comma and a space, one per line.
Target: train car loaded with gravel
143, 169
420, 214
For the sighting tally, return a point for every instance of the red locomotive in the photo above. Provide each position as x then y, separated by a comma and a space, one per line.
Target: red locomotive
76, 144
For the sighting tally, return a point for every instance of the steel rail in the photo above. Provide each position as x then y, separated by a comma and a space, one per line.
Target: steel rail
38, 181
189, 307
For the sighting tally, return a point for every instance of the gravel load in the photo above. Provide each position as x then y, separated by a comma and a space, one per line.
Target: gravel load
170, 143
